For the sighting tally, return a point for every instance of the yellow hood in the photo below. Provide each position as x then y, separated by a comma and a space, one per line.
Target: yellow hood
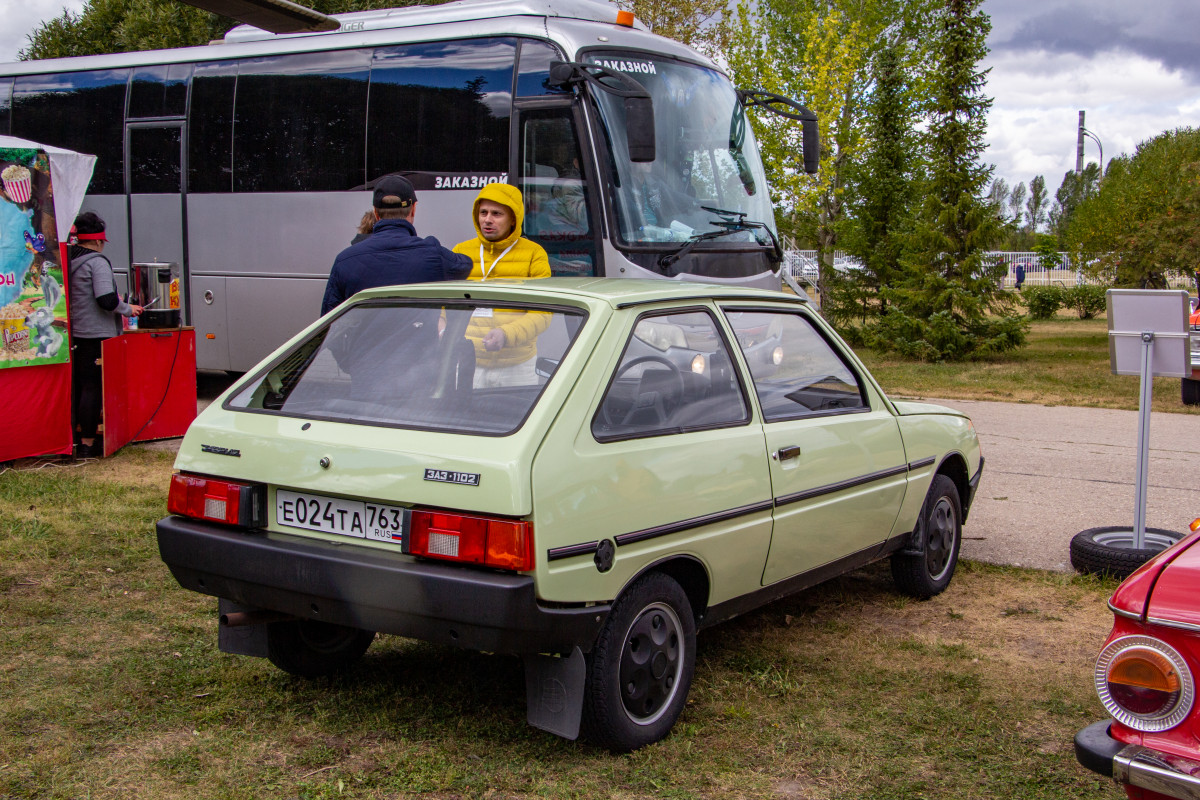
508, 196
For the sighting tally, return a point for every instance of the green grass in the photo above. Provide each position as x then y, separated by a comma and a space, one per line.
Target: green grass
1065, 362
114, 687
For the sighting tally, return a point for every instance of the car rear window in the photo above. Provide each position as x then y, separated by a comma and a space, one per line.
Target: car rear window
474, 368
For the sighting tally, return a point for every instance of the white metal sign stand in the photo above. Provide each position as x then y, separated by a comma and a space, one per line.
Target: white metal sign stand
1148, 328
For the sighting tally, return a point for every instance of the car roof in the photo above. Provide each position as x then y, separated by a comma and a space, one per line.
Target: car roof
616, 292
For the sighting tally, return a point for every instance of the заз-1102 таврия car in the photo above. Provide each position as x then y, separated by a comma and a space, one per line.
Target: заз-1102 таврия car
639, 461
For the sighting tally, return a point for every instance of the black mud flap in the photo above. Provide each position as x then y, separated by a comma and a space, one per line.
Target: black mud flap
242, 640
554, 692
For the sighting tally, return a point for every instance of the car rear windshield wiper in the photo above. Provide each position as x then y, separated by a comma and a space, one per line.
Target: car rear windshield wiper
731, 222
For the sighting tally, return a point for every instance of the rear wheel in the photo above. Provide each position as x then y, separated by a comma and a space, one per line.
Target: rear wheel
927, 573
311, 649
641, 669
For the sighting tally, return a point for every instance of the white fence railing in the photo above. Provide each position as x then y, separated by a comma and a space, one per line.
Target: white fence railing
803, 264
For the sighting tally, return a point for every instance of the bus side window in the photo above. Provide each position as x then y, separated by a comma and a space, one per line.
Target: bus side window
441, 107
83, 111
533, 75
557, 210
210, 131
300, 122
159, 91
6, 85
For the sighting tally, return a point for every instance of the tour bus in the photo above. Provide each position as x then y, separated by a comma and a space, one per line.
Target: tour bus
249, 162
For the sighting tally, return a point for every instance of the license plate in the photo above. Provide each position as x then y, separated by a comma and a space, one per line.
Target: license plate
314, 512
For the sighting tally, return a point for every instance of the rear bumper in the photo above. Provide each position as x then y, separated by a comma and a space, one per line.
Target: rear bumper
1134, 765
372, 589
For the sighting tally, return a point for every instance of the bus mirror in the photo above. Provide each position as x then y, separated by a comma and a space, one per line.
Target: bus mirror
788, 108
812, 146
639, 128
639, 108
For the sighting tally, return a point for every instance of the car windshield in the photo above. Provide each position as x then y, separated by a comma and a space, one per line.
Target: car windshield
419, 365
706, 155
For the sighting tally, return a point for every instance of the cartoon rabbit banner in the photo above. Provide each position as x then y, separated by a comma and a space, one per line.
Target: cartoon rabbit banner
33, 312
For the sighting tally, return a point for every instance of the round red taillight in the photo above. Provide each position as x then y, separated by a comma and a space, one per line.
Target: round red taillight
1144, 683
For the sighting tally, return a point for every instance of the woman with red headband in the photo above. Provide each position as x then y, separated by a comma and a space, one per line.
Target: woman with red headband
96, 309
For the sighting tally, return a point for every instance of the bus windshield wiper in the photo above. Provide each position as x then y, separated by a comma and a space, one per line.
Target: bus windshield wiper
731, 222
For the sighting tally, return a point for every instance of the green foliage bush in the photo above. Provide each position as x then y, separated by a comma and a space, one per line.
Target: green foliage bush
1048, 255
1043, 301
1088, 301
940, 337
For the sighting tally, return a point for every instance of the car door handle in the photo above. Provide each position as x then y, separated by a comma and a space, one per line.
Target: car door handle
784, 453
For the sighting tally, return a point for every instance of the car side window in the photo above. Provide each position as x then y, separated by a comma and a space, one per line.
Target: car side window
676, 375
796, 372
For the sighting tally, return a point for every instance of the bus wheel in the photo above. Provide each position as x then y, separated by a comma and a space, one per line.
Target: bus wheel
641, 668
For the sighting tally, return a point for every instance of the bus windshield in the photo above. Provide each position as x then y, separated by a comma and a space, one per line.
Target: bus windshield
706, 155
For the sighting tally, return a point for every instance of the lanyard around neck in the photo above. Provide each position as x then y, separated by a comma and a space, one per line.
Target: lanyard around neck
483, 264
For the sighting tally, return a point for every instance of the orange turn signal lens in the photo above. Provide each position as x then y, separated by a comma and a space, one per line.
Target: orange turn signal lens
625, 18
1195, 526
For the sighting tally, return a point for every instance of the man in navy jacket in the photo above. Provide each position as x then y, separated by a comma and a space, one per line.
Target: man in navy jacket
393, 253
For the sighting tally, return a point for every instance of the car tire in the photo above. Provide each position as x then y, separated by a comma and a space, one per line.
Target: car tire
1190, 392
928, 572
640, 670
1110, 550
312, 649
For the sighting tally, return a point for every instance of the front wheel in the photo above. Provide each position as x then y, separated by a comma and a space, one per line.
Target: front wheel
312, 649
641, 668
925, 574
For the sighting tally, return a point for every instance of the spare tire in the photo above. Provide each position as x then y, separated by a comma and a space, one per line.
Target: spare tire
1110, 550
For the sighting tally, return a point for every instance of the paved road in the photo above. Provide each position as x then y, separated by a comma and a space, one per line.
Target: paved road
1050, 472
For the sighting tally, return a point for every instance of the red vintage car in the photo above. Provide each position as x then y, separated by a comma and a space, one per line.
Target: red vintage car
1146, 678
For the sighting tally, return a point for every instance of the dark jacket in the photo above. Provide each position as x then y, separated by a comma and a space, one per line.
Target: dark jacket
392, 254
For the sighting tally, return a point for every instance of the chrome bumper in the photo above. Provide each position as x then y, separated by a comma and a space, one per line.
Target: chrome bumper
1134, 765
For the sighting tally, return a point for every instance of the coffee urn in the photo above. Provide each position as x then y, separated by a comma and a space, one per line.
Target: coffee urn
156, 287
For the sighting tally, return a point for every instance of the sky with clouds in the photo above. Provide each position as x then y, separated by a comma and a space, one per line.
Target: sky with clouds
1133, 67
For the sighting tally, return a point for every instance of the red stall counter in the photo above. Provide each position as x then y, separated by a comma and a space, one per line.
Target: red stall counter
149, 379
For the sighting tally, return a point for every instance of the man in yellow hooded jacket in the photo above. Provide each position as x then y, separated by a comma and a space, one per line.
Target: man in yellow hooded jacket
505, 341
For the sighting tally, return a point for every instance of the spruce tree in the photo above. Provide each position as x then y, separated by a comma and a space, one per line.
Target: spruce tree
883, 198
950, 304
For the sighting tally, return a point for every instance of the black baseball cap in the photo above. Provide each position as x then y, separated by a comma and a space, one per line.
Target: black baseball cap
393, 191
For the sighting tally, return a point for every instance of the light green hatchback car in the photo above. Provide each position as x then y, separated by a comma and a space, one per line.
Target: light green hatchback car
634, 461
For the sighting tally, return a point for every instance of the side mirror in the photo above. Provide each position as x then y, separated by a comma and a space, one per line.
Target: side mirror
639, 108
812, 145
788, 108
639, 128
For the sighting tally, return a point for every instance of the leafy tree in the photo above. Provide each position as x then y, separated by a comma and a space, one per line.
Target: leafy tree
1074, 189
883, 188
950, 305
1016, 203
1141, 226
118, 26
820, 52
997, 197
1036, 206
699, 23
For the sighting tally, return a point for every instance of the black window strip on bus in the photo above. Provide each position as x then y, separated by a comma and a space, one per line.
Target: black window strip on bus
850, 483
694, 522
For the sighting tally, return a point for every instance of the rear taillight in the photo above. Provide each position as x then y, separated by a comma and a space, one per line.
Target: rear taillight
502, 543
217, 500
1144, 683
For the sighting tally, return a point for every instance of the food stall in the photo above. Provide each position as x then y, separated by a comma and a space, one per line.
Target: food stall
149, 378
